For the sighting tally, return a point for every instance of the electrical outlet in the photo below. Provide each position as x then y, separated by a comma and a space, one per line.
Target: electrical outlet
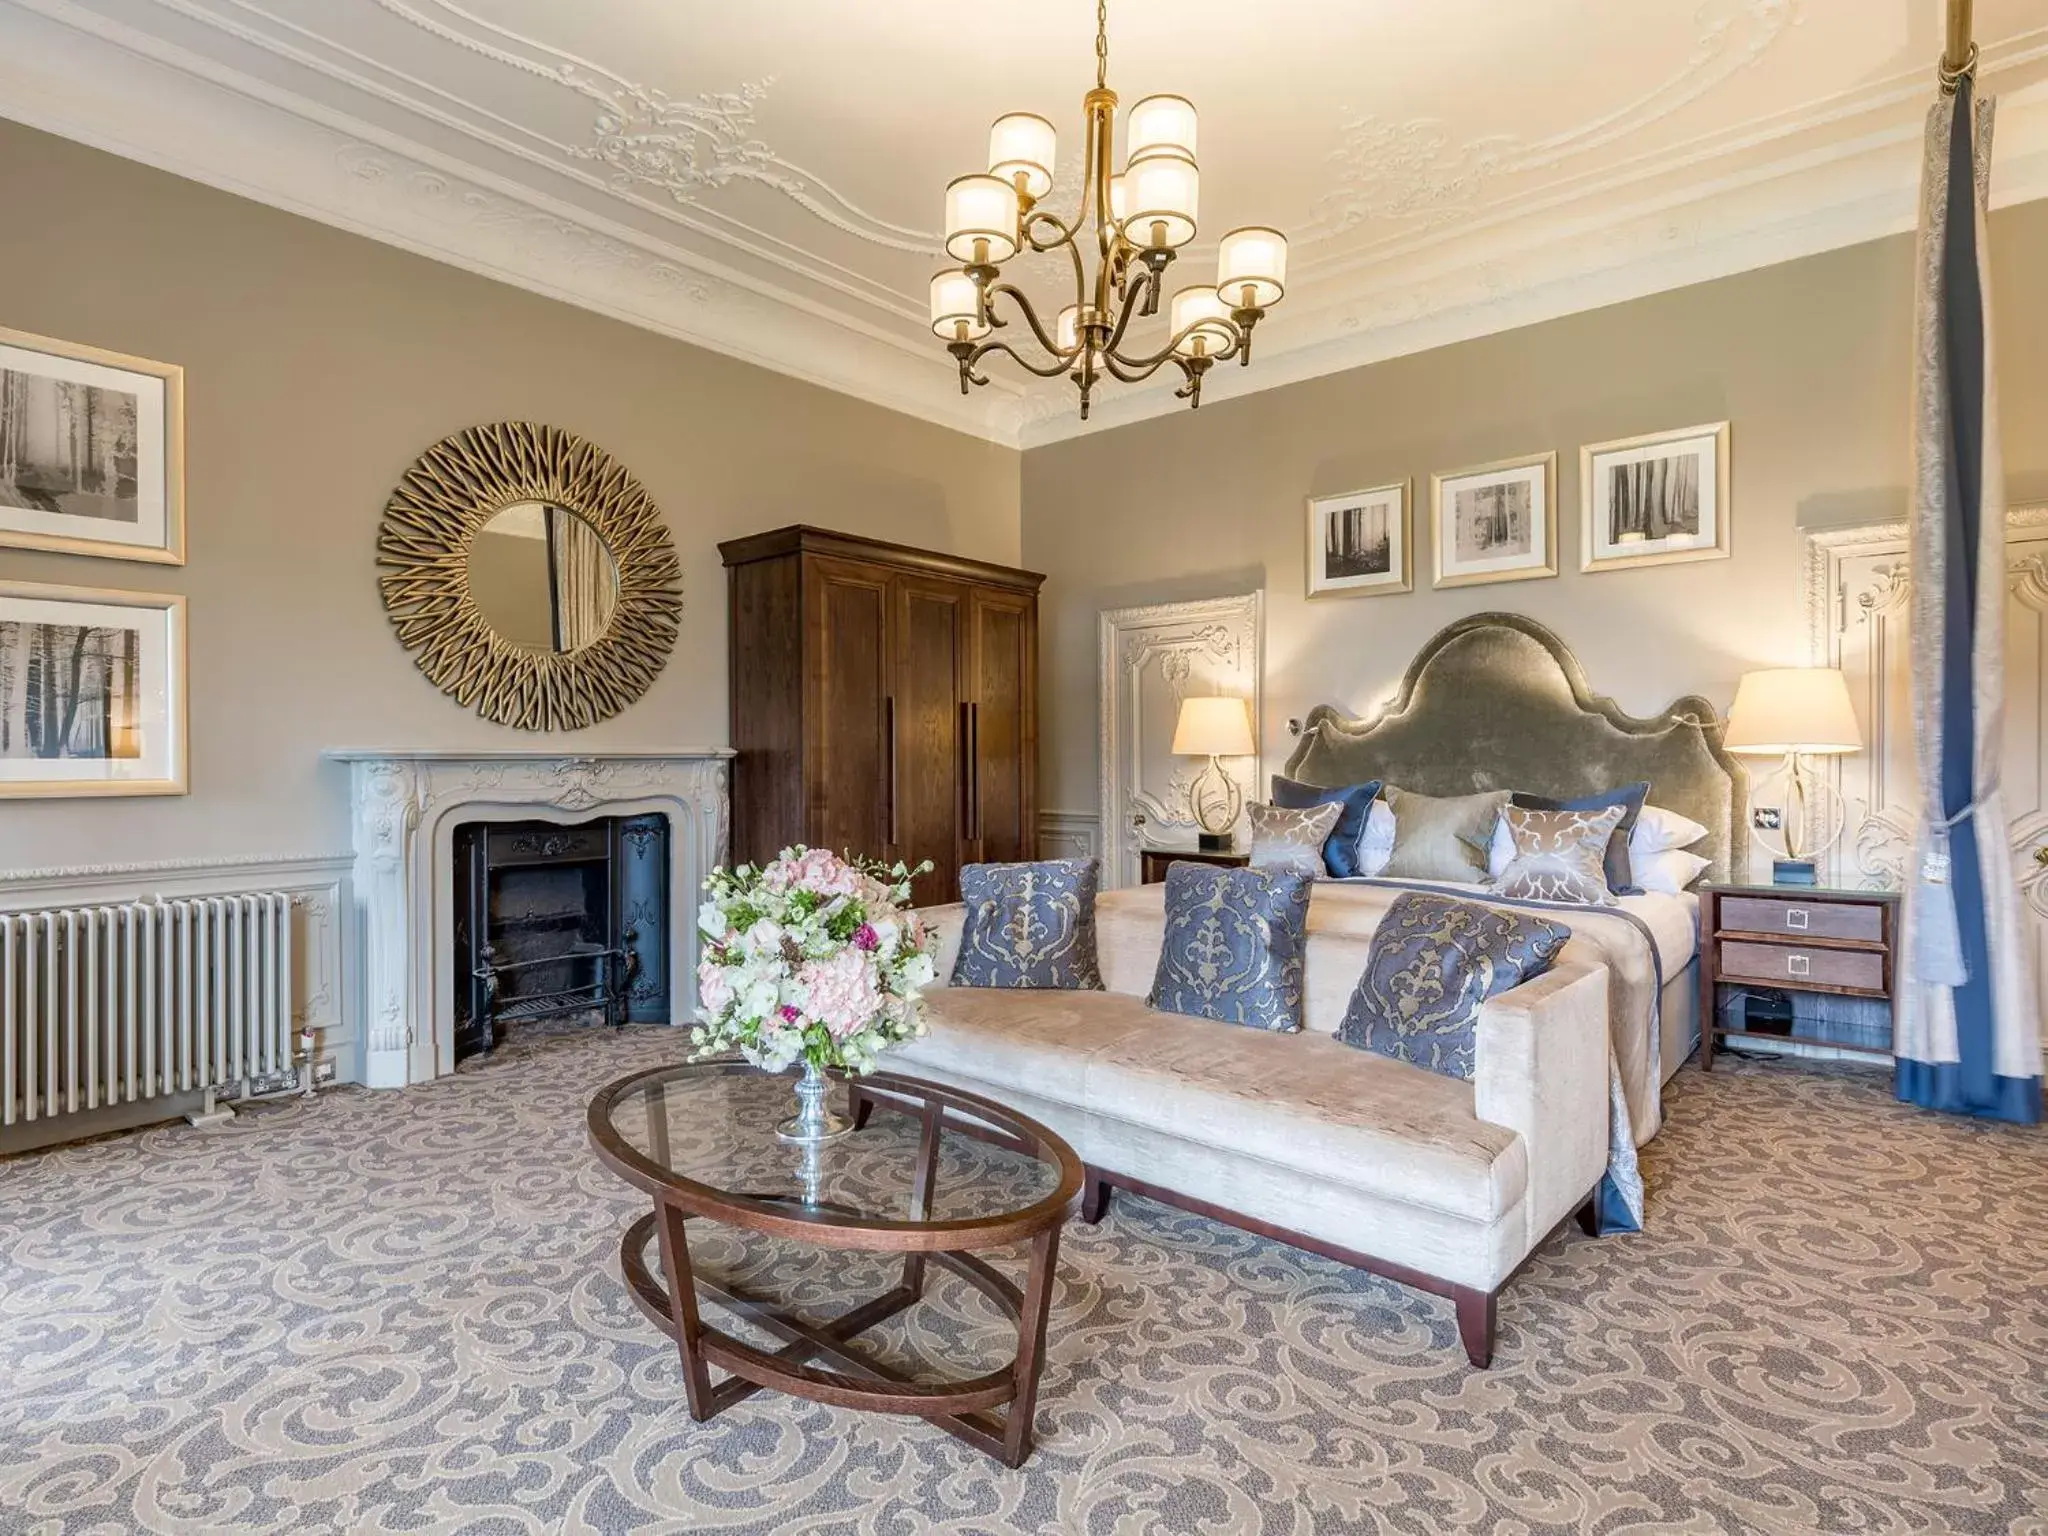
323, 1071
1767, 818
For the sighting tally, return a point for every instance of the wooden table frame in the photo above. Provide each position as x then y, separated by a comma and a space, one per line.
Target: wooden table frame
961, 1408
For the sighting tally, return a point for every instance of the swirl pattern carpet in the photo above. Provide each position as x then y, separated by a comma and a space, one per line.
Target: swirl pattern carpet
402, 1312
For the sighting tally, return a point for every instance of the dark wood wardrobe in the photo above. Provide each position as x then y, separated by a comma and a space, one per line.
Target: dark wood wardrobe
884, 701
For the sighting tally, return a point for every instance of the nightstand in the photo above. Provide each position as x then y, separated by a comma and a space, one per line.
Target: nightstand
1152, 862
1795, 939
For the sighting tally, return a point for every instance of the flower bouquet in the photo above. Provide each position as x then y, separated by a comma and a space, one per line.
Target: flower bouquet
811, 959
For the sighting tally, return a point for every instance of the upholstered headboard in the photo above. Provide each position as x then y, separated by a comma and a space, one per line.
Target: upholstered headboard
1496, 701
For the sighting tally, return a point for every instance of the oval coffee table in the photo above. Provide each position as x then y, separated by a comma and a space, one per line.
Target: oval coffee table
700, 1138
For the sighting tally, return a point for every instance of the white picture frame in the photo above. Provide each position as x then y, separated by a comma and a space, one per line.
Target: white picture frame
92, 692
1495, 522
92, 451
1658, 499
1361, 543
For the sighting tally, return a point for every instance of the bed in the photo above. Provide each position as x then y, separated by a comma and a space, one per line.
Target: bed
1497, 701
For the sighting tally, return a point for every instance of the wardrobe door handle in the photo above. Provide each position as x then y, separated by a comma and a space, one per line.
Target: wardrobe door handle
889, 768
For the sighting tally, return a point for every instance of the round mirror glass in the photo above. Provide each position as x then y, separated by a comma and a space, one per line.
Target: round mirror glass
543, 578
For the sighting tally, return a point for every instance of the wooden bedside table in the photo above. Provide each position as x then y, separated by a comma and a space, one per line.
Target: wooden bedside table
1795, 939
1152, 861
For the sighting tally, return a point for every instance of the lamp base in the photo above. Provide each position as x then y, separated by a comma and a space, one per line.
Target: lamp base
1795, 872
1215, 842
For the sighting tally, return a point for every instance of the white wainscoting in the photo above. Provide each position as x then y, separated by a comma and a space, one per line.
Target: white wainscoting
1069, 835
1858, 591
323, 923
1152, 658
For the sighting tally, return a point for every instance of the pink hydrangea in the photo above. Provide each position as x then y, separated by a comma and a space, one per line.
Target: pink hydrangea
841, 992
824, 872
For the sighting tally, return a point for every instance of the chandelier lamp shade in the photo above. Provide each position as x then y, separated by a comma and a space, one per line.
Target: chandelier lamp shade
1128, 229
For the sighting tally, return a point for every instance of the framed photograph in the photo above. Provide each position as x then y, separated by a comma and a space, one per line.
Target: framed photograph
1495, 522
92, 451
1655, 500
92, 691
1358, 543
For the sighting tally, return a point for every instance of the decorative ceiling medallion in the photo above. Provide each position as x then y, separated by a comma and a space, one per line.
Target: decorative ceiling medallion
447, 497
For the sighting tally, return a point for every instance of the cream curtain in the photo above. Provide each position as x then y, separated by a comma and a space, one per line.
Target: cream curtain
583, 580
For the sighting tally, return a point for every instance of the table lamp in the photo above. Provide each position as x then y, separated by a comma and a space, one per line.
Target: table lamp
1214, 728
1795, 713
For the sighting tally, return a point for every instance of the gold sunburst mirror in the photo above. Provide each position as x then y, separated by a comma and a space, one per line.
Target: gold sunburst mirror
530, 575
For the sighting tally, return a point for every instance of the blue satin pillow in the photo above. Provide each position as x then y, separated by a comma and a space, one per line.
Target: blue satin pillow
1340, 850
1434, 960
1233, 945
1029, 925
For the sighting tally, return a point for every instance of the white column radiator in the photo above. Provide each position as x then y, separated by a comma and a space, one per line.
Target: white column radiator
106, 1005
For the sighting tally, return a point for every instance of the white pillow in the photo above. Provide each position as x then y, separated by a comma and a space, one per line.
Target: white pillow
1658, 830
1670, 871
1500, 852
1376, 847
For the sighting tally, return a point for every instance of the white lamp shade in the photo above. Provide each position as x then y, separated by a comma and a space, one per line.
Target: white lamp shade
1213, 728
1161, 193
1793, 709
1251, 268
1119, 200
1161, 125
956, 307
1201, 323
981, 219
1023, 144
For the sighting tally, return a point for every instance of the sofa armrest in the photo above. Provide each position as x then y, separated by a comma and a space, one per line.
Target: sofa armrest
1540, 1069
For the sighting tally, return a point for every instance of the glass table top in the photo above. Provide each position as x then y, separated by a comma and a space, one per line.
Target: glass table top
712, 1124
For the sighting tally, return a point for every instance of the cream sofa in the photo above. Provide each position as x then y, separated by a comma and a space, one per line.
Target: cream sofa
1440, 1184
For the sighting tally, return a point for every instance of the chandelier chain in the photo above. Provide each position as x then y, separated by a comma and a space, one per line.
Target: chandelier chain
1101, 44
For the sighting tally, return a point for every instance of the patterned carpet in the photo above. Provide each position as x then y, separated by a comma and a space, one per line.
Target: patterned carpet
382, 1313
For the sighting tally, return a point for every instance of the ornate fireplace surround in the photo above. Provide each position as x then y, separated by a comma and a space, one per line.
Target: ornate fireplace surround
405, 807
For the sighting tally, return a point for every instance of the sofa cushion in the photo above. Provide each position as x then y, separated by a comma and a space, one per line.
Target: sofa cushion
1029, 926
1232, 945
1434, 961
1305, 1102
1036, 1042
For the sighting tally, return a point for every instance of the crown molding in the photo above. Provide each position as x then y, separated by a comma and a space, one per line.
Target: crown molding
1833, 172
74, 73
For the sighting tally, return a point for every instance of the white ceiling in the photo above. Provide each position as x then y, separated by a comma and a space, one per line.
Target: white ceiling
766, 178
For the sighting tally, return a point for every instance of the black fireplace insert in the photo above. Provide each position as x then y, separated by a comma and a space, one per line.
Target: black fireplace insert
552, 921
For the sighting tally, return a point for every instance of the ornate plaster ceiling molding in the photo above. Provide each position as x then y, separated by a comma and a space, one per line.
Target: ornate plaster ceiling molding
74, 73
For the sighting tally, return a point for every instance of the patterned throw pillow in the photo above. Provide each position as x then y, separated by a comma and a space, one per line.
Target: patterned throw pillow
1292, 839
1029, 925
1621, 877
1341, 849
1559, 856
1434, 960
1233, 946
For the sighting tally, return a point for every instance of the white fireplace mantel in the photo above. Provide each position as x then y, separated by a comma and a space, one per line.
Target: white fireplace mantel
405, 807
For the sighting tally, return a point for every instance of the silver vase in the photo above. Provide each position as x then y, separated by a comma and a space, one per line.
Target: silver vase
813, 1123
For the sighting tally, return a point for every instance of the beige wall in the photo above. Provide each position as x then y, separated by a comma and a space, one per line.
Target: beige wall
317, 365
1809, 361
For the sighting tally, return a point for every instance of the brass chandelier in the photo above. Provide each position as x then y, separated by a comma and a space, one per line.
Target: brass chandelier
1140, 220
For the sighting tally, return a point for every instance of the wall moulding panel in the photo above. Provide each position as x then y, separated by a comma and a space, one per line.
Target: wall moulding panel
323, 922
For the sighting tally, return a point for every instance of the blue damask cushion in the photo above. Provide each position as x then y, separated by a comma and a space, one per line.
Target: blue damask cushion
1029, 925
1434, 960
1233, 945
1340, 852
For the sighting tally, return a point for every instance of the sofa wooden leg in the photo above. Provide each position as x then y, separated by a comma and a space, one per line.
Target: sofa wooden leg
1094, 1197
1475, 1324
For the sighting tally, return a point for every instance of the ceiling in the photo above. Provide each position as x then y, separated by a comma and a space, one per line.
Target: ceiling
766, 179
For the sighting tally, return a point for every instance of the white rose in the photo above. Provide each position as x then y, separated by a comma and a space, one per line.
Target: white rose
918, 971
